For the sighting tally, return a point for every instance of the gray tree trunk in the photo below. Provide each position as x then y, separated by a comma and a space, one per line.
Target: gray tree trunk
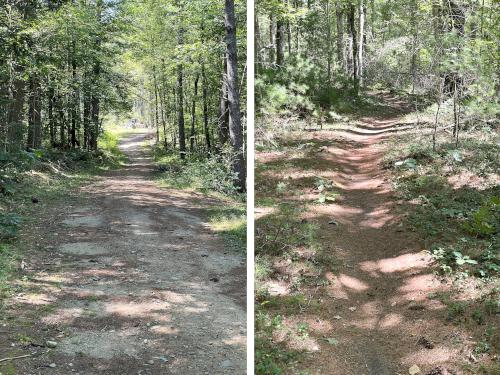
235, 126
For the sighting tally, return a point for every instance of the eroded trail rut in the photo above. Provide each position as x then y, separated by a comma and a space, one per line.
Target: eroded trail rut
122, 282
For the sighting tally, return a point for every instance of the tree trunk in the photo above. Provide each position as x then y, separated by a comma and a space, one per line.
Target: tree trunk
354, 47
328, 41
280, 42
164, 104
223, 123
34, 115
193, 114
15, 128
258, 57
157, 117
180, 102
205, 109
235, 126
87, 108
95, 110
272, 36
362, 13
341, 58
52, 122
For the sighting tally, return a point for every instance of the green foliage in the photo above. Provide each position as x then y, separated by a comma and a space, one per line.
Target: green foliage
229, 220
482, 347
485, 221
9, 225
456, 310
214, 174
326, 193
284, 231
270, 359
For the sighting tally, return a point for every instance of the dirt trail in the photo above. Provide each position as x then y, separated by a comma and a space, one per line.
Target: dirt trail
377, 304
121, 280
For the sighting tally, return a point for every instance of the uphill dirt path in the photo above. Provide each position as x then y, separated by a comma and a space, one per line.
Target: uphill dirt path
127, 278
376, 307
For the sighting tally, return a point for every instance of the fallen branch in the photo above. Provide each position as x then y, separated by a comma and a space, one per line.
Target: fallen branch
12, 358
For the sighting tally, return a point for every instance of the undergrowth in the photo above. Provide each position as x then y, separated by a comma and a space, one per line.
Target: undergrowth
455, 208
456, 203
31, 180
288, 251
214, 177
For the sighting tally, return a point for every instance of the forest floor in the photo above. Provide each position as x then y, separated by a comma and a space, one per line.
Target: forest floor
355, 291
126, 278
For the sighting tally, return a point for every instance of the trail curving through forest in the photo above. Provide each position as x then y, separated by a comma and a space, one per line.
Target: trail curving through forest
376, 306
128, 278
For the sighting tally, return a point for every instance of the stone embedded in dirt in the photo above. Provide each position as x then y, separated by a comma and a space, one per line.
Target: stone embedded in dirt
338, 317
333, 222
416, 306
413, 370
101, 345
440, 371
162, 358
82, 248
51, 344
84, 221
226, 364
422, 341
352, 308
52, 365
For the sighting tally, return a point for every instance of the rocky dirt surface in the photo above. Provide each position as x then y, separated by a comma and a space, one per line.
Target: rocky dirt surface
126, 278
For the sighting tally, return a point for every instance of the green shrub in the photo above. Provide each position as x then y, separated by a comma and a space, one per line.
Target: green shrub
485, 221
9, 225
212, 174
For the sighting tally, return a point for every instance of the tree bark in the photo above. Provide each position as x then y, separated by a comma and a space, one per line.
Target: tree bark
272, 40
205, 109
354, 49
341, 58
223, 123
235, 126
180, 102
95, 110
280, 42
15, 115
157, 117
258, 57
52, 122
362, 13
328, 40
193, 114
34, 115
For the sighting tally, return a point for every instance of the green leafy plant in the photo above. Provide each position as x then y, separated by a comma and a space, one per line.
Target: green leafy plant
486, 220
325, 188
303, 330
9, 225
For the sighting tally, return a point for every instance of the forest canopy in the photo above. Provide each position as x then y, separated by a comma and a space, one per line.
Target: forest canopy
436, 49
67, 68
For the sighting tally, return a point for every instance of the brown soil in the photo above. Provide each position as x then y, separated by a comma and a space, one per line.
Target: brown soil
120, 277
377, 306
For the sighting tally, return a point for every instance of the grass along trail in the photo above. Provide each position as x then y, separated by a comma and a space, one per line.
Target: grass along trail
128, 278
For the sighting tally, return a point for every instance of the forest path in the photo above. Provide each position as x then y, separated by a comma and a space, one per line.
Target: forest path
129, 279
376, 308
